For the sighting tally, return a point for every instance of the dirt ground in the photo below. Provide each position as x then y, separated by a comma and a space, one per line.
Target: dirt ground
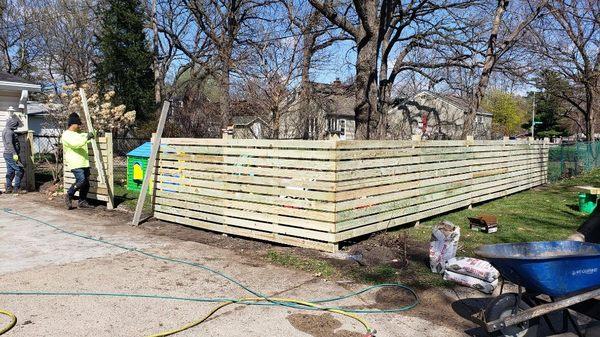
35, 257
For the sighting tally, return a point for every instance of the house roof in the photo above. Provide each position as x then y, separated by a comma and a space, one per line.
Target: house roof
459, 102
245, 120
14, 83
36, 108
141, 151
335, 98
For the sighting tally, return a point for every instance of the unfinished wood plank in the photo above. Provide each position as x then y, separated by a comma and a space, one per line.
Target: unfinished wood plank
151, 163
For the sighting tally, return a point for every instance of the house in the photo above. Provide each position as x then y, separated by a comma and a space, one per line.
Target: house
14, 92
434, 116
331, 111
249, 127
46, 134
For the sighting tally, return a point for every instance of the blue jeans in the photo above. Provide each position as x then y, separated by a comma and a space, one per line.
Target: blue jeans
82, 183
13, 171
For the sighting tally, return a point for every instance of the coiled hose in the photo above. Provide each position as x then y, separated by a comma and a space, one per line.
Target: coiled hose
13, 321
256, 299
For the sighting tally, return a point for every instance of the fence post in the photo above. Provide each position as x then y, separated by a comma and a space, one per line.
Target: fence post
110, 176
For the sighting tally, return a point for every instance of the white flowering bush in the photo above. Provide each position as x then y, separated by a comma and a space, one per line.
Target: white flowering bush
105, 115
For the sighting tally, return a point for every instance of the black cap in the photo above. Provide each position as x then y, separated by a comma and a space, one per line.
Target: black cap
73, 119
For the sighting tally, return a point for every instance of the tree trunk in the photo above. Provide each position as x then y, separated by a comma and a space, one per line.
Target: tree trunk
307, 54
365, 110
491, 57
589, 116
155, 61
224, 99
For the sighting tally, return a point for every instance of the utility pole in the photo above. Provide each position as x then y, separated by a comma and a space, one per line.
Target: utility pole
533, 118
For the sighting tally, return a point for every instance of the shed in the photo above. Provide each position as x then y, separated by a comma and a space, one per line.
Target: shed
137, 162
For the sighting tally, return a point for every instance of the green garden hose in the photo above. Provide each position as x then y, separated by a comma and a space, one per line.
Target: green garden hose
256, 299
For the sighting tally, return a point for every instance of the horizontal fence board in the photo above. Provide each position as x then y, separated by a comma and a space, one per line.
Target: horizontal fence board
318, 193
201, 200
259, 198
246, 223
328, 176
248, 161
293, 241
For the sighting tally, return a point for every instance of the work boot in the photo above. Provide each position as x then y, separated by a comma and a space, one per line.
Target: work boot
68, 200
20, 191
8, 190
84, 204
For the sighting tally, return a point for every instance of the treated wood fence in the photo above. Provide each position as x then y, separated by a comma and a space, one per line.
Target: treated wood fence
98, 189
318, 193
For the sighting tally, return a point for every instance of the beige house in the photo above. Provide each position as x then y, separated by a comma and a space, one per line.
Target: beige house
14, 92
435, 116
330, 112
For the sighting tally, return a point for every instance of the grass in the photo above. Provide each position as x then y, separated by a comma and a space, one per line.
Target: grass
542, 214
311, 265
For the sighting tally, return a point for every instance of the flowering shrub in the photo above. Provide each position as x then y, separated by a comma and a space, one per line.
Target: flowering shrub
105, 115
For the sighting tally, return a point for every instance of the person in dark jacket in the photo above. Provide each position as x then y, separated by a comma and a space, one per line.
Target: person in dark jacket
14, 168
589, 231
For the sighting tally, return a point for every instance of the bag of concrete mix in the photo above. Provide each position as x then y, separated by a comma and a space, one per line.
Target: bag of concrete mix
472, 282
443, 245
469, 266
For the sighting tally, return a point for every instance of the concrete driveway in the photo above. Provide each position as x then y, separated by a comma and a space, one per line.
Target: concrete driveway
35, 257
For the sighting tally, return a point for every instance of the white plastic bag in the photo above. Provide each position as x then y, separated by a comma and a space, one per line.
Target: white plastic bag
469, 266
472, 282
443, 245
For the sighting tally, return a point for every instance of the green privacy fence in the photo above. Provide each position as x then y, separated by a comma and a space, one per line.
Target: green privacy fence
572, 159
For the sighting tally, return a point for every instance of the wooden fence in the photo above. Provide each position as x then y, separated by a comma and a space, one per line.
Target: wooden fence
98, 189
318, 193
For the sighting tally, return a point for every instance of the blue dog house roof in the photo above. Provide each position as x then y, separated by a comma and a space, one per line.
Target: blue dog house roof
142, 150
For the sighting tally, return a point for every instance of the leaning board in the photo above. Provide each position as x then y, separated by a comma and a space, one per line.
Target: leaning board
316, 194
98, 190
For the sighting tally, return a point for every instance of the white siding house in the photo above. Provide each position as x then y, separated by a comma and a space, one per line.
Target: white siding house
14, 92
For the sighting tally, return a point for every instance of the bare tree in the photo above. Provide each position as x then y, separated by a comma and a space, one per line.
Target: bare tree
270, 77
17, 36
568, 43
66, 30
502, 37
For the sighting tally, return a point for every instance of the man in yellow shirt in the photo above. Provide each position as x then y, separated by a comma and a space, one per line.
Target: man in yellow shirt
76, 160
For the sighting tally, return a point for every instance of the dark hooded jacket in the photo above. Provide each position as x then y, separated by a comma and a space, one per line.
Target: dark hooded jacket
9, 137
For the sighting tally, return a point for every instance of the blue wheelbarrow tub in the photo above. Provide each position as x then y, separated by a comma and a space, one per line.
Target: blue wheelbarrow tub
554, 268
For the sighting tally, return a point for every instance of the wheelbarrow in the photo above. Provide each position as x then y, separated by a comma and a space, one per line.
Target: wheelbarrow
551, 277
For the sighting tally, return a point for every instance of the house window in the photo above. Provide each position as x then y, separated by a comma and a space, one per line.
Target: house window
312, 128
256, 130
342, 126
479, 120
332, 124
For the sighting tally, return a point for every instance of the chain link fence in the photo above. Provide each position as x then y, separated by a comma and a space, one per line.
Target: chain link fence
567, 160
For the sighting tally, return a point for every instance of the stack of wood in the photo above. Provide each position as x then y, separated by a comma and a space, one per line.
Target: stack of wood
486, 223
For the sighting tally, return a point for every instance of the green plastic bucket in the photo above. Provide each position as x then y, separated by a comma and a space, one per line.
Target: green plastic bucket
587, 203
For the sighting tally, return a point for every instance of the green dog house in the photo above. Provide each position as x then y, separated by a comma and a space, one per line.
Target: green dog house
137, 161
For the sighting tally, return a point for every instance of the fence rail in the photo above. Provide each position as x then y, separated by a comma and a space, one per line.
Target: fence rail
318, 193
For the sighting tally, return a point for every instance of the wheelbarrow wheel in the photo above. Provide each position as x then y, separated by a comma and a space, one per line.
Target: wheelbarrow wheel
503, 306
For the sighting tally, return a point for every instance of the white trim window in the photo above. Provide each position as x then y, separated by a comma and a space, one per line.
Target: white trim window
342, 126
332, 124
312, 128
